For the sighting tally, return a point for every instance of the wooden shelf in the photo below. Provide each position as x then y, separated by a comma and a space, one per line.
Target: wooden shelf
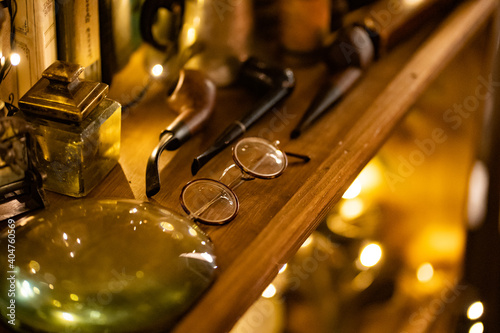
276, 216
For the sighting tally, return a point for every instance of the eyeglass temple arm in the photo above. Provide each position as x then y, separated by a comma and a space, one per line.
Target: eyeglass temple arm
304, 158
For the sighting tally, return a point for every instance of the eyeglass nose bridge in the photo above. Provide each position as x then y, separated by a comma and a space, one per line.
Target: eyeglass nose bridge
234, 181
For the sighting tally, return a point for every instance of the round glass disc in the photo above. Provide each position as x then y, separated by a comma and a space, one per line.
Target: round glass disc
259, 158
209, 201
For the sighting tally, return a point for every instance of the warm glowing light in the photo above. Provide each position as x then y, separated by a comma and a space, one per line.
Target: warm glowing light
15, 59
78, 241
67, 316
65, 236
74, 297
157, 70
351, 209
425, 272
133, 211
192, 232
475, 310
36, 290
51, 286
207, 257
412, 2
269, 292
166, 226
477, 328
478, 192
283, 268
34, 266
370, 255
139, 274
198, 256
307, 242
95, 314
26, 289
191, 36
362, 281
56, 303
437, 242
353, 191
71, 254
370, 176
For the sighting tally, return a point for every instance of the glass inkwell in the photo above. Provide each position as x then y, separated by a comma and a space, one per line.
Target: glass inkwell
77, 129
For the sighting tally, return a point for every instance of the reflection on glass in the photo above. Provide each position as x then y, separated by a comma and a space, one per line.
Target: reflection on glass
107, 265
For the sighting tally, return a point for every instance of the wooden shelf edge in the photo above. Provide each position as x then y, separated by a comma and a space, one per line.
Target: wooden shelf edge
242, 283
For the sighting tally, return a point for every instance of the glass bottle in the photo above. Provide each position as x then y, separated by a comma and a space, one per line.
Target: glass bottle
76, 127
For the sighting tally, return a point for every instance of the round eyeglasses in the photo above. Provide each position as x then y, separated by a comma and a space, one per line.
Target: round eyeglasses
213, 202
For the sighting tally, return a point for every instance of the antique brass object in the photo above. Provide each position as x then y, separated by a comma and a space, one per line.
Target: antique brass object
61, 95
76, 127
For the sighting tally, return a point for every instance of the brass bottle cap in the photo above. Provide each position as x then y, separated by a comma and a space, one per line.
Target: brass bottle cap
61, 95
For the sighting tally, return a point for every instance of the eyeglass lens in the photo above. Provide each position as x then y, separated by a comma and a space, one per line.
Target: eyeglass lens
259, 158
210, 201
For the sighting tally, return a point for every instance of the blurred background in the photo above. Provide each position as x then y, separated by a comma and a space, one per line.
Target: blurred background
413, 244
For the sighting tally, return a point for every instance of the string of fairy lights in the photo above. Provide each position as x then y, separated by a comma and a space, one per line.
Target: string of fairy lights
13, 59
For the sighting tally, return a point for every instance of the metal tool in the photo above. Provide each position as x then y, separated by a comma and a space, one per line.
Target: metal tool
278, 82
194, 99
358, 45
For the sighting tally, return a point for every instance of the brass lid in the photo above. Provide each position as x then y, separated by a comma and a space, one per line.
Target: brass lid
61, 95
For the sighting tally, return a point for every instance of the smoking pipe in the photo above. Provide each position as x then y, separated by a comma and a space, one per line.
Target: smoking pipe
278, 83
358, 45
194, 99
